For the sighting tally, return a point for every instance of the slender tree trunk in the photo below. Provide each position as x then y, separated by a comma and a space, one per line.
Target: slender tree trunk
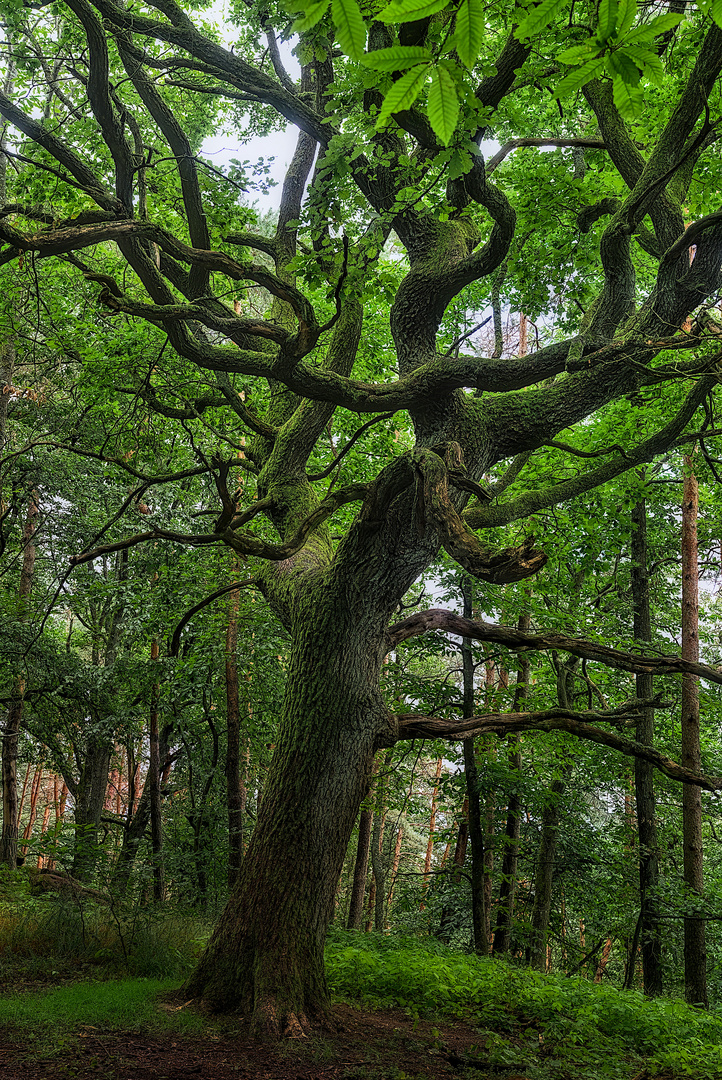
138, 821
378, 867
370, 906
89, 799
507, 887
695, 950
489, 842
234, 783
432, 830
544, 875
10, 809
651, 938
462, 841
395, 865
24, 790
156, 821
361, 864
34, 796
360, 873
471, 772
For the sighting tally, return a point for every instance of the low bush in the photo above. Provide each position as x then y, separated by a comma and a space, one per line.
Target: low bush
573, 1020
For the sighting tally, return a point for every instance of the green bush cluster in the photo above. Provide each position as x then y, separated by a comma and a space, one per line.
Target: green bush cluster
574, 1020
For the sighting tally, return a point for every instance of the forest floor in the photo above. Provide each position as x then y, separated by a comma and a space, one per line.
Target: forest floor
378, 1045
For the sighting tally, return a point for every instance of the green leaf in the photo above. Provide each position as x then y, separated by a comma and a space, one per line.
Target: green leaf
397, 58
626, 14
648, 60
403, 93
578, 53
538, 18
650, 30
410, 10
628, 99
607, 19
621, 66
443, 105
579, 77
313, 13
461, 163
469, 34
350, 27
715, 11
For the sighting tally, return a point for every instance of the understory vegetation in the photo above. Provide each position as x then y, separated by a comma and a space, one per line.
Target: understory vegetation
70, 972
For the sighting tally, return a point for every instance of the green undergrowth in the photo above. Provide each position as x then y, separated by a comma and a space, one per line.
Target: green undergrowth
50, 936
555, 1023
129, 1005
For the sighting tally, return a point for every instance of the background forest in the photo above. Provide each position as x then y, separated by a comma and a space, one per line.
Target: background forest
142, 672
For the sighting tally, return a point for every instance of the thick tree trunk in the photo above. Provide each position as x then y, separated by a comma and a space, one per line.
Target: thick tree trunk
649, 932
267, 951
695, 949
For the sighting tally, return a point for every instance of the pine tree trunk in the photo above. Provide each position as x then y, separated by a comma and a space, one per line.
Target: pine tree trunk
650, 936
695, 950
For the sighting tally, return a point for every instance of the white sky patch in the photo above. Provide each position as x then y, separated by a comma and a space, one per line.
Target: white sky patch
279, 145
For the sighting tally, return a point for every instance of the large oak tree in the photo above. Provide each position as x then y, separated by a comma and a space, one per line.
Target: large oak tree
98, 94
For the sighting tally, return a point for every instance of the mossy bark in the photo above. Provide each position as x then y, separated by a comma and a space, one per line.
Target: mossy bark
266, 956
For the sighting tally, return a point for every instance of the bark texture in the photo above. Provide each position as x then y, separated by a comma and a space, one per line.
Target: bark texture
649, 929
695, 947
11, 733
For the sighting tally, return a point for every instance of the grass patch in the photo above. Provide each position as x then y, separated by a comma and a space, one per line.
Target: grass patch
554, 1021
49, 934
129, 1005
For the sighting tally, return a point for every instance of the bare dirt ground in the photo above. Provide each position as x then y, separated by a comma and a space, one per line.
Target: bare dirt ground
370, 1046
